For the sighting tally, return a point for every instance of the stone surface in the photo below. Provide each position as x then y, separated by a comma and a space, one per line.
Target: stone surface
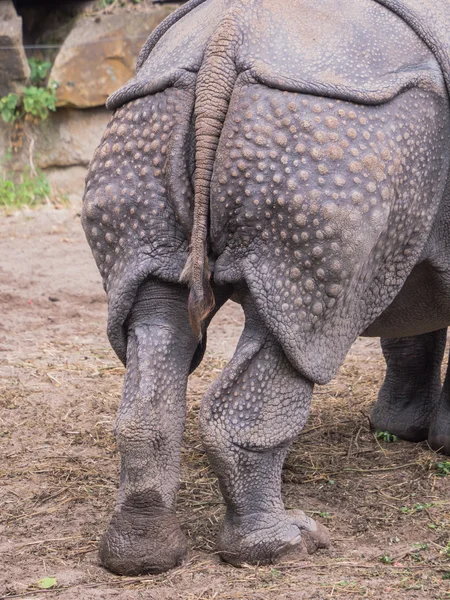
100, 53
69, 137
67, 182
66, 138
14, 69
62, 146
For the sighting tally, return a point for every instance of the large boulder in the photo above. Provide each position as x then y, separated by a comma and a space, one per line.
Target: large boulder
14, 69
62, 146
67, 184
100, 53
69, 137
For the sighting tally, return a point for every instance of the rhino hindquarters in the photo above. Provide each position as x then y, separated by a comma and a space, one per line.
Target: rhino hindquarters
323, 207
138, 205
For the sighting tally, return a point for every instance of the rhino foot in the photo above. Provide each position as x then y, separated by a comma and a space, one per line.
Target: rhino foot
409, 423
439, 432
138, 544
266, 538
412, 386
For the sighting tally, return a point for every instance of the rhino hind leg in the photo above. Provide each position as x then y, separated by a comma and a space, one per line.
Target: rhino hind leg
249, 417
439, 431
144, 535
411, 390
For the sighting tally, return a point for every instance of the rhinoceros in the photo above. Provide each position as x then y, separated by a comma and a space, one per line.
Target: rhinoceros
295, 157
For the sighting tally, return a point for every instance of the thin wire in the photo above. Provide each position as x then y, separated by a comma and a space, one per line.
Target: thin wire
56, 46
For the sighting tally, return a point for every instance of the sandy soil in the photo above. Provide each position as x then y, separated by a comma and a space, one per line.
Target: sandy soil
387, 504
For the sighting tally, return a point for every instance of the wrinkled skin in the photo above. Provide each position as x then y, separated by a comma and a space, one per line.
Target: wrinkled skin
293, 155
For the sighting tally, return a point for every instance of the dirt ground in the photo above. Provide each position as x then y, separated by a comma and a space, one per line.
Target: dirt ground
387, 504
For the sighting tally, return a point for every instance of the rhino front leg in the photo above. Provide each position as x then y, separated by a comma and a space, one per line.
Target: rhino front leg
249, 418
412, 385
144, 535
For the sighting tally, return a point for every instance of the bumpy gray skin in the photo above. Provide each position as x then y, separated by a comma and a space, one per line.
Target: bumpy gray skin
301, 150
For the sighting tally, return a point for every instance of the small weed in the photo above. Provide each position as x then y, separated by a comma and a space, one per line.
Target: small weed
46, 583
385, 436
39, 70
416, 508
35, 103
446, 550
321, 513
38, 102
275, 573
8, 107
418, 548
443, 468
386, 560
28, 191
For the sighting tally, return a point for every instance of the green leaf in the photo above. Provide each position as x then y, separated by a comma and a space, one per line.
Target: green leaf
443, 468
46, 583
385, 436
38, 70
26, 191
8, 107
7, 115
386, 560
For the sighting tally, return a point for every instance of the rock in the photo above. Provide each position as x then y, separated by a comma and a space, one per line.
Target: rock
69, 137
62, 146
67, 183
100, 53
66, 138
14, 69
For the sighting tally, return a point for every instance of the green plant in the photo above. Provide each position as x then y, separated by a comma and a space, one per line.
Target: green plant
46, 583
385, 436
8, 107
386, 560
420, 546
39, 101
29, 190
443, 468
34, 103
39, 69
416, 508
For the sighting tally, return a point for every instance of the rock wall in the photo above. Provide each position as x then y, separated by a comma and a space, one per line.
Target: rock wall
100, 54
14, 68
96, 57
61, 146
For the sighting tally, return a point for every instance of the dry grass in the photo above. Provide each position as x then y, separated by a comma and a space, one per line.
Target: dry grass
386, 504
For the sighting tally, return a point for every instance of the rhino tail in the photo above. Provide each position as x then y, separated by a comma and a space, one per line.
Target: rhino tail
215, 83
